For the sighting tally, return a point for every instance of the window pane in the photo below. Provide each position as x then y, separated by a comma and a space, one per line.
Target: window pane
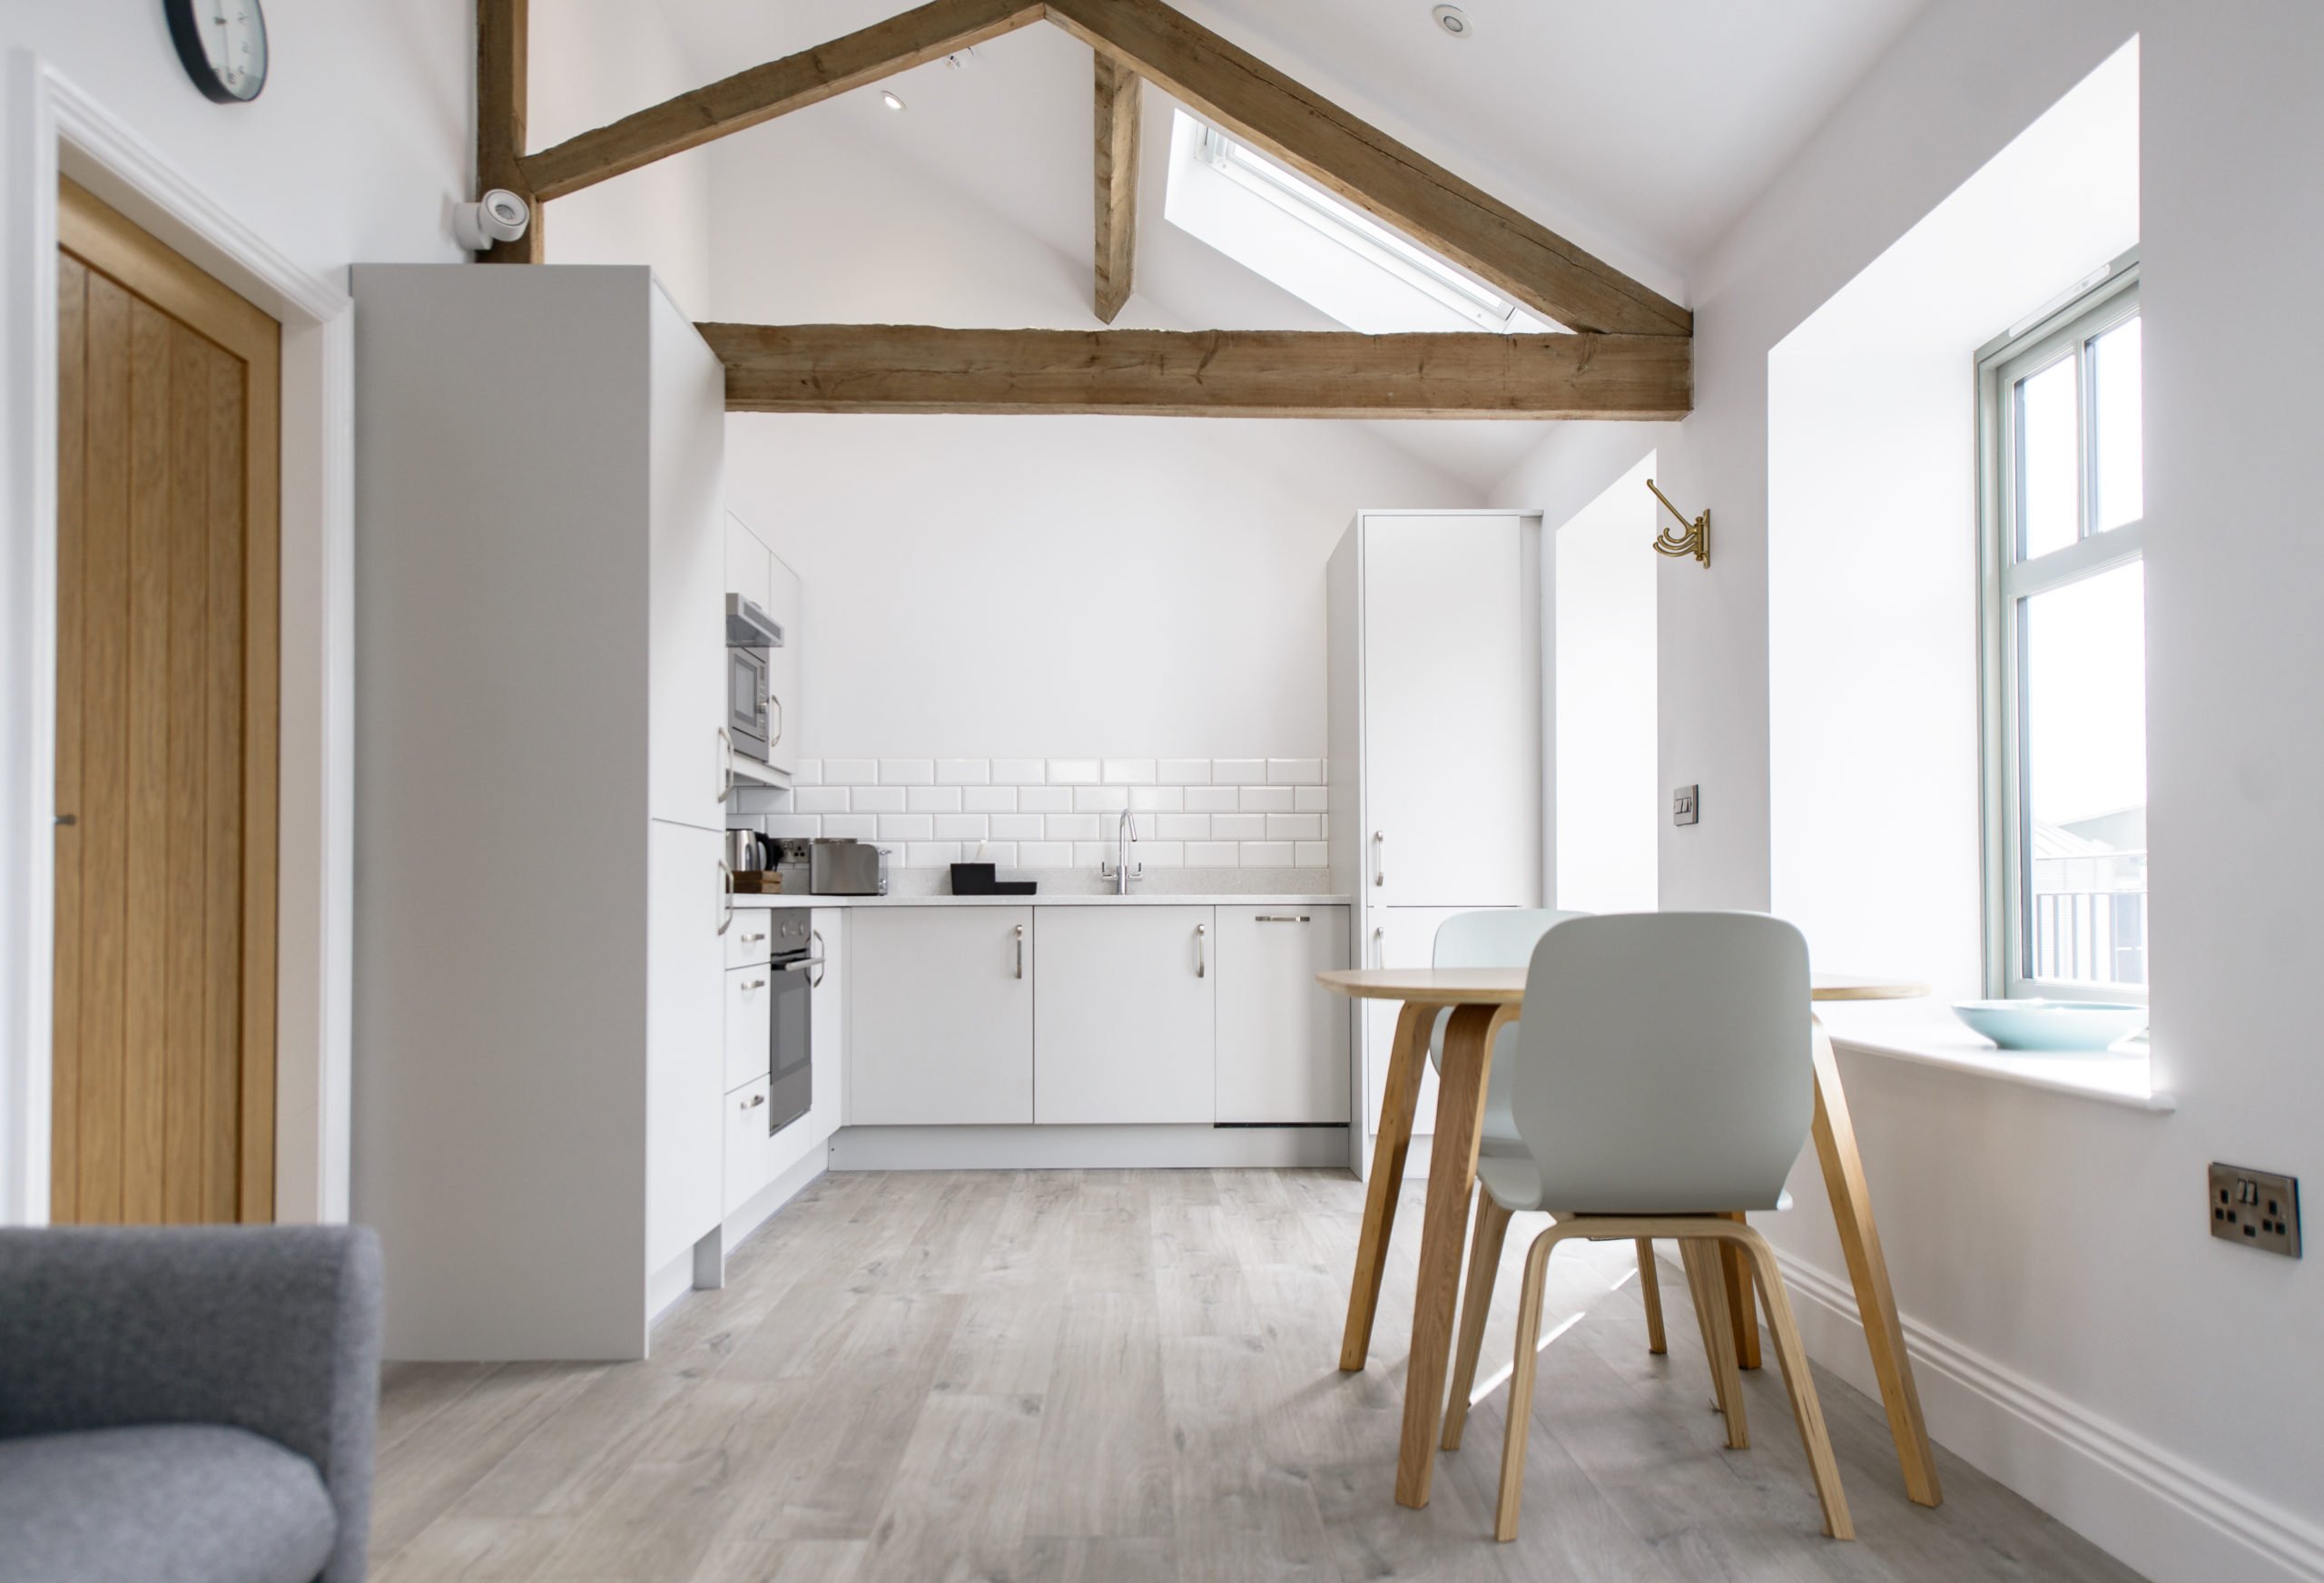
2083, 773
2115, 384
2049, 492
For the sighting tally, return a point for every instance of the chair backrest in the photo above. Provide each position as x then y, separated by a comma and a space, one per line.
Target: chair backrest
1662, 1062
1499, 937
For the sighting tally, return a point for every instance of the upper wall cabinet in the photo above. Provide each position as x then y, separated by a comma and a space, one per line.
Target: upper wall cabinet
759, 574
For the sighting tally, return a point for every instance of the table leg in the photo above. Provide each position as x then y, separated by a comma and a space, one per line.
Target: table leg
1743, 1313
1407, 1059
1876, 1302
1451, 1172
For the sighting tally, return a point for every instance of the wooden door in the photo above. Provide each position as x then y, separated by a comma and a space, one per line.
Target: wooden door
1124, 1020
168, 387
1451, 701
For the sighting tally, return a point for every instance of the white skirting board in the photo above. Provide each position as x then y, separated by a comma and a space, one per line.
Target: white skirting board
2172, 1520
1066, 1148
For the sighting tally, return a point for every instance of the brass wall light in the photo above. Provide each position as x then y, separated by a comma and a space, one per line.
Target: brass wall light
1695, 541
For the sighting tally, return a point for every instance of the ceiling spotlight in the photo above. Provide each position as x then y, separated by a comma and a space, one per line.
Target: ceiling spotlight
1453, 20
961, 57
887, 98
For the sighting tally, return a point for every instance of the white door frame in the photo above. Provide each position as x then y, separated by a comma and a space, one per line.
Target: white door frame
52, 128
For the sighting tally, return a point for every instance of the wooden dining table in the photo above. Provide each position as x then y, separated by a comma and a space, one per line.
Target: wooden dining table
1483, 1001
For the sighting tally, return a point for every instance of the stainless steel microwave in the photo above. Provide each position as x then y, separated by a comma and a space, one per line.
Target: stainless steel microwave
752, 713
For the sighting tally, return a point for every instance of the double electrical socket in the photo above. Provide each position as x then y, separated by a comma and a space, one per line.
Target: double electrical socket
2257, 1208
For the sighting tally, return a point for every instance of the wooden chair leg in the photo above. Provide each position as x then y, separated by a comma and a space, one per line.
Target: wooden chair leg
1521, 1385
1718, 1336
1650, 1289
1476, 1302
1801, 1386
1736, 1271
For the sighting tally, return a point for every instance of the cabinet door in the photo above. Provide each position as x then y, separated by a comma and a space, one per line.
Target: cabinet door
1283, 1038
749, 1025
1400, 936
782, 666
747, 561
1123, 1016
827, 1043
939, 1016
685, 775
750, 1158
685, 902
1451, 712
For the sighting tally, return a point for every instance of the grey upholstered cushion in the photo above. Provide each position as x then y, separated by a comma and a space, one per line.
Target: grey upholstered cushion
274, 1330
163, 1503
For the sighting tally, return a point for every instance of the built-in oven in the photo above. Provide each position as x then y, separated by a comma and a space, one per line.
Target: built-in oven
798, 969
751, 635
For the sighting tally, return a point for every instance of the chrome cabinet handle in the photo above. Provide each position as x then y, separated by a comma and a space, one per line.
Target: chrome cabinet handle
816, 962
752, 1102
1202, 951
1280, 917
752, 939
1020, 950
726, 764
1379, 857
1379, 948
754, 984
726, 890
777, 737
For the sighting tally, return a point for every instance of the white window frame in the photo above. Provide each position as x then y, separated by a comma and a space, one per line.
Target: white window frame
2005, 582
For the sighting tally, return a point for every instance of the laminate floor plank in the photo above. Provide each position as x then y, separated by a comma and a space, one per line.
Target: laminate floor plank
1130, 1377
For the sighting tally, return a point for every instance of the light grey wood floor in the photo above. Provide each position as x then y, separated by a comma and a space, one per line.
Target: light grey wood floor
1097, 1377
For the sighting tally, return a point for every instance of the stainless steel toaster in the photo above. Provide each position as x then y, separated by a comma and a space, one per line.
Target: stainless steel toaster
847, 867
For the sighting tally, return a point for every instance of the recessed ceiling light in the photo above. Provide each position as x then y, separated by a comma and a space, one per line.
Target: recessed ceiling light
887, 98
1453, 20
961, 57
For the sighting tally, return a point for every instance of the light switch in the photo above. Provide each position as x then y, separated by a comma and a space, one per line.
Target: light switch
1685, 805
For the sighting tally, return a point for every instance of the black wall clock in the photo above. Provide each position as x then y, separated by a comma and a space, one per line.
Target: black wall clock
222, 44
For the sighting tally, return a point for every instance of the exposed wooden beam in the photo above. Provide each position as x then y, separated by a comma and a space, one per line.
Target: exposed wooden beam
891, 367
1369, 168
501, 84
927, 33
1119, 95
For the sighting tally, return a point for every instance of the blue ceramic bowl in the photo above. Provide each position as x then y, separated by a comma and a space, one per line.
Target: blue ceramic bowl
2059, 1026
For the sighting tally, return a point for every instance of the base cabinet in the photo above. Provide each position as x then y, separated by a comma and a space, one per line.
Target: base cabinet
1283, 1038
1124, 1014
940, 1012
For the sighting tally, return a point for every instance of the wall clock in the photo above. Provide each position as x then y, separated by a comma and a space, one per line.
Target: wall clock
223, 46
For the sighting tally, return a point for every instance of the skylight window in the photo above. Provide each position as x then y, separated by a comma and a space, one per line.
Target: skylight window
1325, 251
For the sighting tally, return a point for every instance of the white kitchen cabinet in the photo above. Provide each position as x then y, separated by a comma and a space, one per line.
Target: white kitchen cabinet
1400, 937
751, 1158
685, 901
782, 602
751, 939
1124, 1015
749, 1000
939, 1016
748, 562
1283, 1038
827, 1042
685, 674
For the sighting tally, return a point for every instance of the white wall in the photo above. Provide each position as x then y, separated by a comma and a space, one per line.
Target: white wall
594, 61
2081, 1336
1036, 586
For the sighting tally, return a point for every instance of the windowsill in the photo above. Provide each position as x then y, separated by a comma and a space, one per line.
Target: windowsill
1926, 1036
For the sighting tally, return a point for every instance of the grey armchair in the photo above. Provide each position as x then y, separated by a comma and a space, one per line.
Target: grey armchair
184, 1405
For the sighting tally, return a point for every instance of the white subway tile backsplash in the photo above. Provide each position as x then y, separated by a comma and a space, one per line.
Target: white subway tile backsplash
988, 799
932, 799
1129, 771
1072, 826
1266, 854
1295, 771
1239, 826
794, 826
1045, 854
850, 771
963, 771
1239, 771
964, 827
852, 826
1045, 799
1213, 855
1294, 827
906, 827
907, 772
1266, 800
1211, 799
875, 799
1313, 799
1019, 772
1183, 826
1160, 854
1074, 772
1000, 854
931, 854
1312, 855
1100, 799
1017, 827
1157, 799
819, 799
1182, 772
807, 772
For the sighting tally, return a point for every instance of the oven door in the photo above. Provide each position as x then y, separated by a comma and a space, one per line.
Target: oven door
746, 700
790, 1076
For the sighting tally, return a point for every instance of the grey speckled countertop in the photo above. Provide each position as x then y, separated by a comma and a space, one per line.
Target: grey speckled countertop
1082, 887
